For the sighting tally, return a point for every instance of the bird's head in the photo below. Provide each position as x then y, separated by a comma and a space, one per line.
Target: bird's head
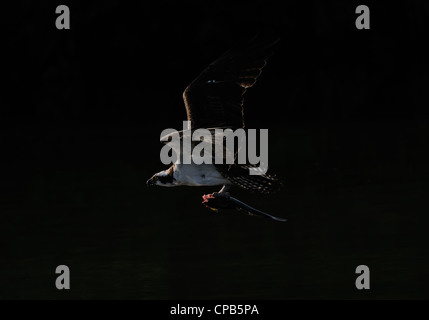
163, 178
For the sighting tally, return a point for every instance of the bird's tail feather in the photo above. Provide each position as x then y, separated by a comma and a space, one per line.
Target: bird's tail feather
239, 175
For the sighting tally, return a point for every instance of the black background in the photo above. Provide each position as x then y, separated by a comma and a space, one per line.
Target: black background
82, 111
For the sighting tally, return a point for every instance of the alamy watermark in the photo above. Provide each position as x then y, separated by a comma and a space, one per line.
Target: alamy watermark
216, 146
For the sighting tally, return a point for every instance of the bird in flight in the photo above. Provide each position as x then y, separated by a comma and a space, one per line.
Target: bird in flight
215, 100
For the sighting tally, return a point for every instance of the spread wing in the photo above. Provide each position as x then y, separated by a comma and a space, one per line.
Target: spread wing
215, 97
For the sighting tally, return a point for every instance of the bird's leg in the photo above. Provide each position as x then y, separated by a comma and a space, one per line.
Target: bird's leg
225, 188
223, 200
217, 200
223, 194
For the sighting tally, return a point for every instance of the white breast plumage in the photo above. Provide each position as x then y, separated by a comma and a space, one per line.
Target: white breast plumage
198, 175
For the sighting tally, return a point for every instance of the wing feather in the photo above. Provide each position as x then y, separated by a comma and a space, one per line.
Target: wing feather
215, 98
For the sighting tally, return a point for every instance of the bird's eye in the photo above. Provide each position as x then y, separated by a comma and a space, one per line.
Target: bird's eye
156, 178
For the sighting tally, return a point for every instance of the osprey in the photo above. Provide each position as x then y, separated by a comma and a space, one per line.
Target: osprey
215, 100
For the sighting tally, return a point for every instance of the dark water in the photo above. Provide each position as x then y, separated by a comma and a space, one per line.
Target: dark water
122, 239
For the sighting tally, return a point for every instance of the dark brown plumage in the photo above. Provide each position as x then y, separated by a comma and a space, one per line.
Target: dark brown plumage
215, 98
239, 176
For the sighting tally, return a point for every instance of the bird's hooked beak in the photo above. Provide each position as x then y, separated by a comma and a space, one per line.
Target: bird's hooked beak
151, 181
